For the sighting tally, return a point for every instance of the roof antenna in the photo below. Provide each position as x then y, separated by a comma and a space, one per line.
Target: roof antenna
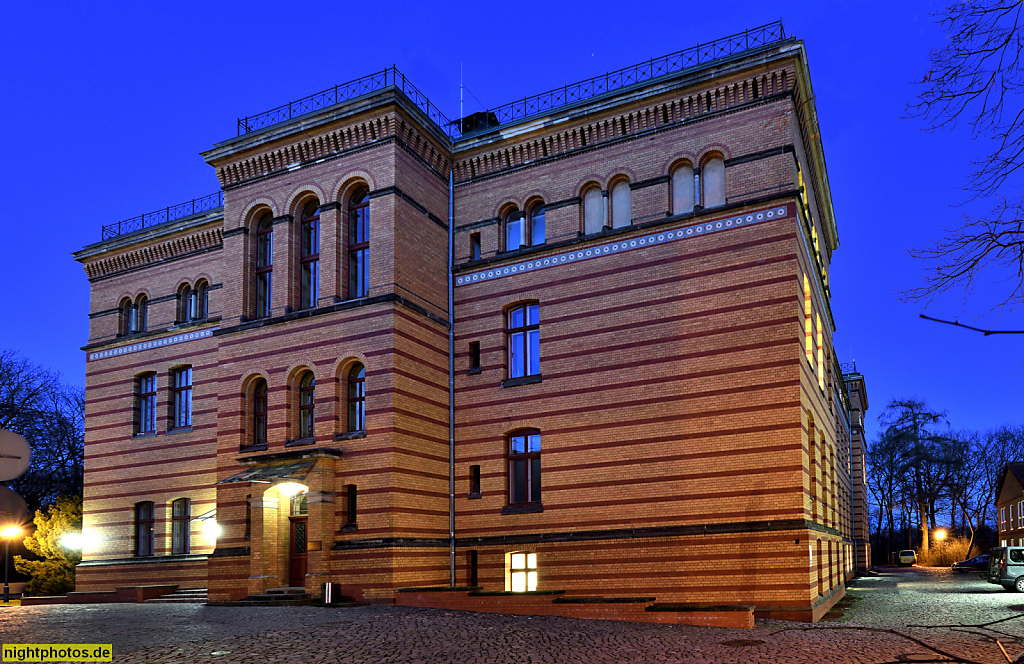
462, 113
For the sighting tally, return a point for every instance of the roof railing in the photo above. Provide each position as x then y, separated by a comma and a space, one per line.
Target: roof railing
645, 71
517, 110
169, 213
345, 92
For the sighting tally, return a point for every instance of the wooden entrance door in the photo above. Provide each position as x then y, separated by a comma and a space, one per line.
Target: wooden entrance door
297, 552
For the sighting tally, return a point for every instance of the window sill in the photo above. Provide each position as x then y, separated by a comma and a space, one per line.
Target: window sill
349, 528
257, 447
525, 380
350, 435
527, 508
473, 495
144, 434
475, 371
187, 429
299, 442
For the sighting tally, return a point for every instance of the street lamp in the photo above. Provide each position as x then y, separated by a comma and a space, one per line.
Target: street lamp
8, 533
940, 535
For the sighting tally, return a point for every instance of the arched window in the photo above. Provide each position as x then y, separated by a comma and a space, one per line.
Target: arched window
682, 189
300, 505
264, 266
714, 183
185, 301
307, 405
145, 529
358, 243
622, 205
145, 403
537, 224
515, 230
357, 398
309, 256
181, 516
593, 211
524, 467
259, 412
200, 305
125, 312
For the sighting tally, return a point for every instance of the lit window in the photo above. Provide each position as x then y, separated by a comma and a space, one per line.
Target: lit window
682, 189
300, 505
622, 205
259, 413
593, 211
181, 398
807, 321
145, 529
523, 334
180, 519
307, 404
358, 242
145, 403
357, 398
714, 183
522, 575
309, 256
524, 467
821, 355
264, 266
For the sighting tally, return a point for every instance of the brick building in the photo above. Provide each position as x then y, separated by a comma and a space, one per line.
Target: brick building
644, 395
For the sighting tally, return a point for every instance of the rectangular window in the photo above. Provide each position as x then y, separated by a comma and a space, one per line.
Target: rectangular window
474, 246
144, 529
522, 572
1020, 514
523, 333
350, 504
474, 481
474, 579
524, 468
181, 517
1002, 518
181, 398
145, 403
474, 355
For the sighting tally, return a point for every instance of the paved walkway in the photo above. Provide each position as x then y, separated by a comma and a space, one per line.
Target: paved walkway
935, 607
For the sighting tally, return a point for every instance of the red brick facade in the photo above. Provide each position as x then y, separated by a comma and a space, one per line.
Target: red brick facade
692, 426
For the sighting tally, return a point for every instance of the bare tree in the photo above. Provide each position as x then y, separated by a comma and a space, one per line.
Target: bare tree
50, 415
976, 79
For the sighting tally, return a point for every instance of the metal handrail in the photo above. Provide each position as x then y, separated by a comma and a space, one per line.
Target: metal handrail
645, 71
169, 213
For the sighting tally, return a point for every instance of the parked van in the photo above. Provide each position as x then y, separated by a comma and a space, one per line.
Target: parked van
1006, 567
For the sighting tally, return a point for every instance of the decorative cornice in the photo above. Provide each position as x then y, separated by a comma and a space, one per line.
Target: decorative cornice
656, 237
155, 343
187, 244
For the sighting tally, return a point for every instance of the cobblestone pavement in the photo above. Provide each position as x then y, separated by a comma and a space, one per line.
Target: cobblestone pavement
934, 606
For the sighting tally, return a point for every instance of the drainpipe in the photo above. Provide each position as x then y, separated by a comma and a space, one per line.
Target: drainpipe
451, 378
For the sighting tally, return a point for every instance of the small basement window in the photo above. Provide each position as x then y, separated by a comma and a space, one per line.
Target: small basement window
521, 572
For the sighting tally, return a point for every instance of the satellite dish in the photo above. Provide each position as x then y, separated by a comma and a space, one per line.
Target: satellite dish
14, 455
13, 509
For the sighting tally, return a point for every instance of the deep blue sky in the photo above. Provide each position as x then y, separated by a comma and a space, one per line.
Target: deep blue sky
106, 107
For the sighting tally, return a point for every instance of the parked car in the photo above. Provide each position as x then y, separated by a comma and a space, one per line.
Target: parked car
906, 557
1006, 567
975, 564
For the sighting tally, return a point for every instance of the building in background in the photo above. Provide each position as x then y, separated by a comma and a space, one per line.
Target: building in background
646, 399
858, 396
1010, 505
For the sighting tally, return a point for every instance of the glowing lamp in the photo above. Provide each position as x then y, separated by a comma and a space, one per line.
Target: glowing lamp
73, 541
940, 535
212, 529
289, 489
10, 532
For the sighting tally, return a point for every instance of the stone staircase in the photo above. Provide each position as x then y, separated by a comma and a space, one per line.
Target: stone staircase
192, 596
288, 596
